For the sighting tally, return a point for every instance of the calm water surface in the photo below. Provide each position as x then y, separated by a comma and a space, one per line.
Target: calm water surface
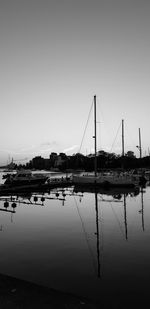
86, 244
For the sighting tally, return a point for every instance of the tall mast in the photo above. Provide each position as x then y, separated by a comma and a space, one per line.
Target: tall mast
140, 147
122, 137
95, 137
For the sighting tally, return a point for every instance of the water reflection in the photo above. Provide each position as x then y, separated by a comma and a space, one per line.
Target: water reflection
142, 207
116, 195
77, 239
11, 201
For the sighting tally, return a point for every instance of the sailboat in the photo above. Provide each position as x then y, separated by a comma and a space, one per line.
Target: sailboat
111, 180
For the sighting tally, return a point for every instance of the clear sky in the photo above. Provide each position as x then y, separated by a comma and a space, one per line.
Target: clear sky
55, 55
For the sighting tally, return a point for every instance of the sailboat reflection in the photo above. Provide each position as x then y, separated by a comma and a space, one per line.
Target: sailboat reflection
98, 236
117, 194
125, 216
141, 211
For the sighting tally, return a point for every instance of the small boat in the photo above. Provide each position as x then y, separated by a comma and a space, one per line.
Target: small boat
117, 180
25, 178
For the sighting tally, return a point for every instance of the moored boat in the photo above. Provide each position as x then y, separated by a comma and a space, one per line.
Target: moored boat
25, 178
122, 180
113, 180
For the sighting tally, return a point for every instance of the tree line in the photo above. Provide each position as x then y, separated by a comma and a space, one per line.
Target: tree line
78, 161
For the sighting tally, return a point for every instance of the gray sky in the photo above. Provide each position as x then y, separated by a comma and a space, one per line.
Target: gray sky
55, 56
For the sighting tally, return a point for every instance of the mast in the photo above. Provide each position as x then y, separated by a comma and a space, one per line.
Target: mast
122, 137
95, 136
140, 147
123, 159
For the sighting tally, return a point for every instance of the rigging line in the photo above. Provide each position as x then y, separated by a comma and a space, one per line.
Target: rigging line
86, 127
86, 236
117, 219
115, 138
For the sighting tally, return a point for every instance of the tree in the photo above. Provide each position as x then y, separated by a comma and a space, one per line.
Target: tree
130, 154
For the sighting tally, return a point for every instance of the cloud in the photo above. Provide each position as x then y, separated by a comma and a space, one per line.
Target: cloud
33, 149
27, 153
53, 143
71, 148
46, 150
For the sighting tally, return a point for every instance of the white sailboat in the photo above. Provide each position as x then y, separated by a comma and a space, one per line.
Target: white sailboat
111, 180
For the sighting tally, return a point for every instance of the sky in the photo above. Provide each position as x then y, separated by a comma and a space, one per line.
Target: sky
55, 55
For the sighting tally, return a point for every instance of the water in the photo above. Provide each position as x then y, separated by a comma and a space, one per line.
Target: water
89, 245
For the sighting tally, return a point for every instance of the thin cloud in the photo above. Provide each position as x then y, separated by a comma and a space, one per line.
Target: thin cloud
71, 148
33, 149
46, 150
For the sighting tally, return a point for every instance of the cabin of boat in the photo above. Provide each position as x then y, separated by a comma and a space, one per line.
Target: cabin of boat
25, 177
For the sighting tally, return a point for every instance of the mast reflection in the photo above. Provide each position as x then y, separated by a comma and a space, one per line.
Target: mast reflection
142, 207
116, 194
98, 236
125, 216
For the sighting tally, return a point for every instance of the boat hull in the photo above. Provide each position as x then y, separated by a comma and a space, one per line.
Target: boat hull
105, 181
25, 182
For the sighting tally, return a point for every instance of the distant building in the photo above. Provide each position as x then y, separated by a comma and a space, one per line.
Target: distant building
47, 164
61, 158
53, 158
38, 163
11, 165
